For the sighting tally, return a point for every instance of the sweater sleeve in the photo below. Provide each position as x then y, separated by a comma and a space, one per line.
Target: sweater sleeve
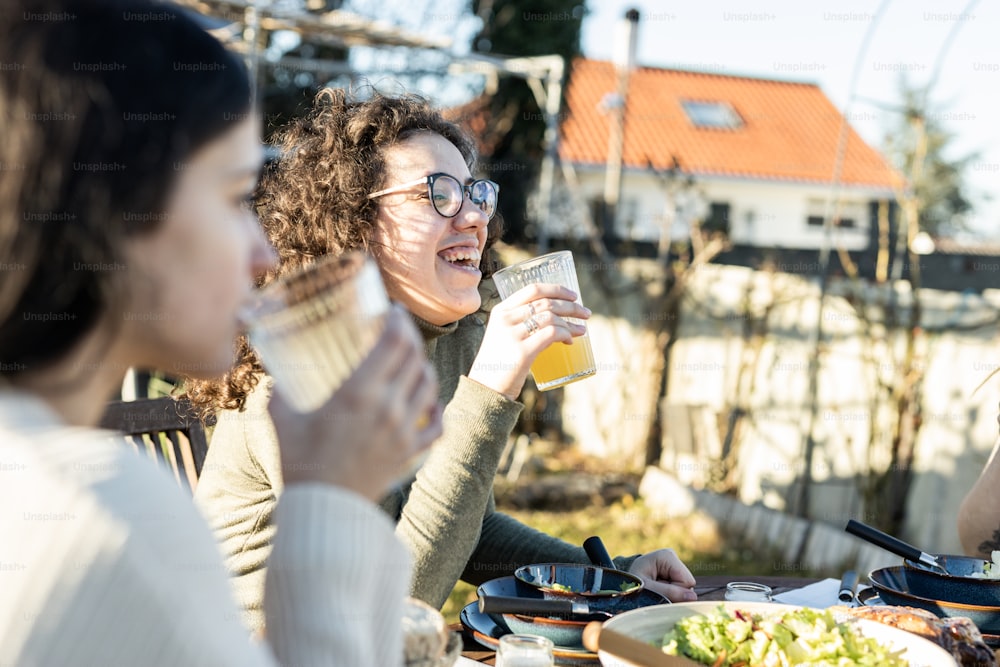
336, 581
441, 519
506, 544
237, 494
115, 567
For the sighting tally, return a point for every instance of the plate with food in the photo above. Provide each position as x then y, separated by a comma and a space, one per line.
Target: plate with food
564, 629
970, 580
727, 634
578, 582
959, 636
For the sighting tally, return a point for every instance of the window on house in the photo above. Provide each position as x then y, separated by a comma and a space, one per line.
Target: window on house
715, 115
626, 217
717, 219
851, 214
596, 205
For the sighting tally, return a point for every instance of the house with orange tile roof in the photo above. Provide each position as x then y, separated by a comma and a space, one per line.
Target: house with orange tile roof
760, 158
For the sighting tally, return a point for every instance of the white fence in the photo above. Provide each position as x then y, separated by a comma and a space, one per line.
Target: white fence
611, 414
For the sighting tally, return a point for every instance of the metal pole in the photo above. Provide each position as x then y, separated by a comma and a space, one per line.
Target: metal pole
251, 35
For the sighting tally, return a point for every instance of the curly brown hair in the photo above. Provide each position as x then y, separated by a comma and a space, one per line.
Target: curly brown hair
313, 200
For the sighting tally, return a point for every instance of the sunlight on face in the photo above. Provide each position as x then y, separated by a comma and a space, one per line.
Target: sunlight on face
196, 270
429, 262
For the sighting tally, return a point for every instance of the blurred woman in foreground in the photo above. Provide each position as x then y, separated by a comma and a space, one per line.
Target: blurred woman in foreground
129, 153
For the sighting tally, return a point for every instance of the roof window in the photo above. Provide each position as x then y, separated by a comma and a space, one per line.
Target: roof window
714, 115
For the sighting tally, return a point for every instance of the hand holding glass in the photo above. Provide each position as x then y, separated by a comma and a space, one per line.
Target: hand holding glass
313, 328
558, 364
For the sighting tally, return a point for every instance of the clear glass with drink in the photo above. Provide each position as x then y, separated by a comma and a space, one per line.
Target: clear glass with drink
313, 328
558, 364
525, 651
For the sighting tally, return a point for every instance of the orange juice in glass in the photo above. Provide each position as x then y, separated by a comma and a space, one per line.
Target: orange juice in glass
558, 364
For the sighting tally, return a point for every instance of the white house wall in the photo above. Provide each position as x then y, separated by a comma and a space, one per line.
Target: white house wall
762, 213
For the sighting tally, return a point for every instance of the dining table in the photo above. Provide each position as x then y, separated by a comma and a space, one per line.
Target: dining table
710, 587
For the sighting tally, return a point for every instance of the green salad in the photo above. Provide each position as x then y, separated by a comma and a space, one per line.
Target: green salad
798, 637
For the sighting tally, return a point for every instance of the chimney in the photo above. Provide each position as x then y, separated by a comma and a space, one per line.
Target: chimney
625, 39
624, 59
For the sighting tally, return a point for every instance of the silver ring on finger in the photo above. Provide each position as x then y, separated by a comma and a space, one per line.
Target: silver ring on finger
531, 310
531, 325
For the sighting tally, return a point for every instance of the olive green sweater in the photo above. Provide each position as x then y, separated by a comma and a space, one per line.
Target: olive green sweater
446, 516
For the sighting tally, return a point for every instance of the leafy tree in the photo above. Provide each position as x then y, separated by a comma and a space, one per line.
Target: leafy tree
939, 189
512, 137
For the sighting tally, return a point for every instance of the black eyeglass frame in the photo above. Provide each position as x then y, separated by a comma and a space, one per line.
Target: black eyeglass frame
433, 178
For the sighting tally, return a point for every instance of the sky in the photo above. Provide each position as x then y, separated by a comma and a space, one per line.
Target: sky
855, 50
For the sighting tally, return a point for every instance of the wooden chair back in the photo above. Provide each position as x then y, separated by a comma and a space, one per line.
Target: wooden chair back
167, 429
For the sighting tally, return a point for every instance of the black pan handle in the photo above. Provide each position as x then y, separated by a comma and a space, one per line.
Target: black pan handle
500, 604
598, 554
887, 542
848, 584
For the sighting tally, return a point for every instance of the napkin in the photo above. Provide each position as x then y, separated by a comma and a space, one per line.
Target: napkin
465, 662
821, 595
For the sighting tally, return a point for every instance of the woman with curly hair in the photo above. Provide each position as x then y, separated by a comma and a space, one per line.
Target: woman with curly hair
125, 241
391, 176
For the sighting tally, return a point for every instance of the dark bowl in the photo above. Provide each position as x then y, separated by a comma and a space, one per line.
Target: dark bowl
574, 581
960, 577
562, 630
959, 567
894, 587
959, 586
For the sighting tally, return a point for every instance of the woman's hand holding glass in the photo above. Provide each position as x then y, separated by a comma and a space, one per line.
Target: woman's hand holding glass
519, 328
381, 417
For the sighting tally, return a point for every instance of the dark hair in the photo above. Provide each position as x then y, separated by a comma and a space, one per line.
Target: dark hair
101, 102
314, 200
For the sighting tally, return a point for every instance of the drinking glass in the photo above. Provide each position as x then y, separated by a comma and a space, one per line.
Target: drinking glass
525, 651
558, 364
748, 591
313, 328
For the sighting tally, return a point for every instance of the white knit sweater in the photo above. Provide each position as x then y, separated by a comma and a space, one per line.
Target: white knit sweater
105, 561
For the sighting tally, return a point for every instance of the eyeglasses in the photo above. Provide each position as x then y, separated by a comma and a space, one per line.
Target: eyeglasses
447, 194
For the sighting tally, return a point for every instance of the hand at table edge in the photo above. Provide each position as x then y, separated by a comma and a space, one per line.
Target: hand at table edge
663, 572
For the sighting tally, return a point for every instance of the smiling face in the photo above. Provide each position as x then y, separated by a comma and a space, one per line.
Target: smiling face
195, 271
430, 263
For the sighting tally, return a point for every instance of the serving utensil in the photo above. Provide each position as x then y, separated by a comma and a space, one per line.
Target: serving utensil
894, 545
598, 638
499, 604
